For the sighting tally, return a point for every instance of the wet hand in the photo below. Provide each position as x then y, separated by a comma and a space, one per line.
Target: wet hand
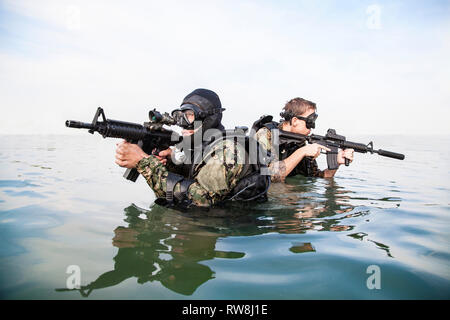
345, 154
313, 150
129, 154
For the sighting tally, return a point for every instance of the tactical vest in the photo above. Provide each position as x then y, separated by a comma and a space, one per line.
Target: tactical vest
285, 149
252, 185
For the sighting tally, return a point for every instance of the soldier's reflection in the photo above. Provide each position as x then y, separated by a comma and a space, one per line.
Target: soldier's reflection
309, 200
158, 249
169, 247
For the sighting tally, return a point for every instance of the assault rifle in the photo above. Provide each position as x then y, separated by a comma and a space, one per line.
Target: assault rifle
150, 136
334, 142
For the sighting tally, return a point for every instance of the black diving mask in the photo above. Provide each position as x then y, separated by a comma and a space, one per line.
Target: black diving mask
310, 120
186, 115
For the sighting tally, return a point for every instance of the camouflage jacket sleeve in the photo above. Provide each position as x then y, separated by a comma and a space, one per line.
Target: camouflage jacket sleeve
214, 178
276, 168
264, 137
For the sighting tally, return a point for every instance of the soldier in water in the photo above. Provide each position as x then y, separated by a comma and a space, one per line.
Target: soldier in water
220, 174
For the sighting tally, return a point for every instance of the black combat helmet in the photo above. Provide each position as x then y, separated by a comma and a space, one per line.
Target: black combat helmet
206, 106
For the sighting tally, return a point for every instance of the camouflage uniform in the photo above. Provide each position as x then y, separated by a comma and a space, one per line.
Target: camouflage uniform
307, 166
214, 177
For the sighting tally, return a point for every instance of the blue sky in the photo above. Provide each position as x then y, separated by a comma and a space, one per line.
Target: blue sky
371, 66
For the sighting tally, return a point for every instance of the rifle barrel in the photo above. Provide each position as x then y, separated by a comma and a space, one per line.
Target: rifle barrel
79, 124
390, 154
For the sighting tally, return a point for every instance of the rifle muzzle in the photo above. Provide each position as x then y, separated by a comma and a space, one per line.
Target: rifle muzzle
391, 154
78, 124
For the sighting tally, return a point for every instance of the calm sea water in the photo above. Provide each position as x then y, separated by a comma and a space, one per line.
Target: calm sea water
63, 202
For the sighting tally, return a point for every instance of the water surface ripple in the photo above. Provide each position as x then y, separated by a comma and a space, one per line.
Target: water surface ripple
63, 202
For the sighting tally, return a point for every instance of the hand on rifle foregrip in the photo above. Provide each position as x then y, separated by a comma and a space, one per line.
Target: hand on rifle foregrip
129, 154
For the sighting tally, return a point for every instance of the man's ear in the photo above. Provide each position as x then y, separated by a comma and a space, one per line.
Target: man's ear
294, 122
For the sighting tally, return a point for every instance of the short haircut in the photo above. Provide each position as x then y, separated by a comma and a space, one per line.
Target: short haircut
298, 106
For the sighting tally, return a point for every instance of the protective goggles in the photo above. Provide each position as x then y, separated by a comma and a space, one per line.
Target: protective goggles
186, 115
310, 120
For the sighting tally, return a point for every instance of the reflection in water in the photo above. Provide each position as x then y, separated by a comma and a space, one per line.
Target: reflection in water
309, 202
169, 247
362, 235
302, 247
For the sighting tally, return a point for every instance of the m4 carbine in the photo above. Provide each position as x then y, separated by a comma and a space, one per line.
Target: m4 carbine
150, 137
334, 142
